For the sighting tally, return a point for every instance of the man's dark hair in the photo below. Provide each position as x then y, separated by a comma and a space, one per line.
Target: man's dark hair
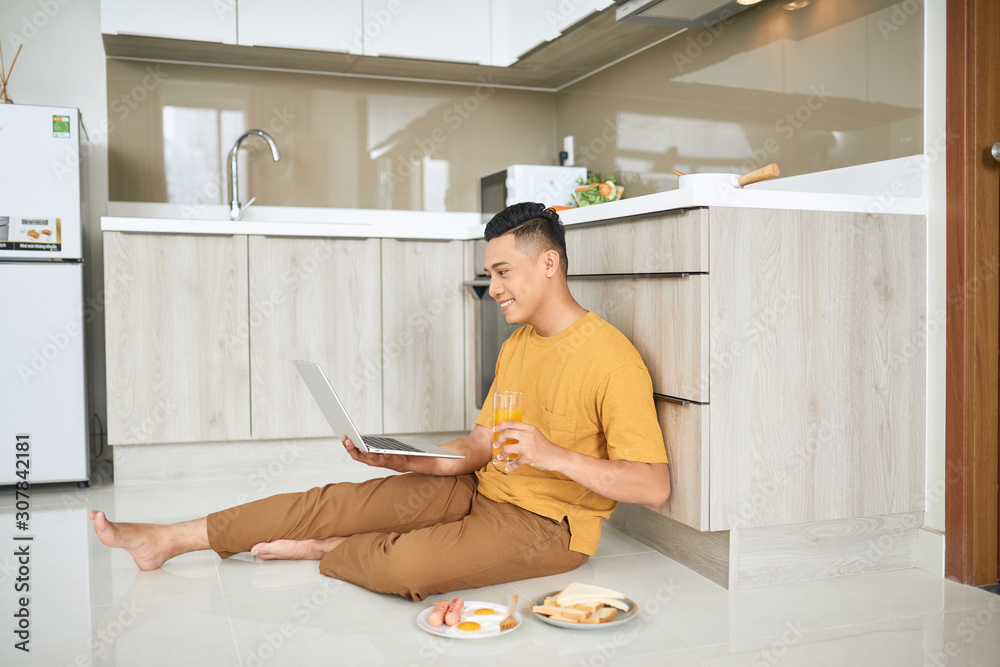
535, 228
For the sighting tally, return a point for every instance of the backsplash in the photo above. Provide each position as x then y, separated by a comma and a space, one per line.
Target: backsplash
834, 84
345, 142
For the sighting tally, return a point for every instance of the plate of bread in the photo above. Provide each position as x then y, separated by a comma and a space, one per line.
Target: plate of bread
584, 607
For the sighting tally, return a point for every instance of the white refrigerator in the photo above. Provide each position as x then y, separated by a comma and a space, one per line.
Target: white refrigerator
43, 398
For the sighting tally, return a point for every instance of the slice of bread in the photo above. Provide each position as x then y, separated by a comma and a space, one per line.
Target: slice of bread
613, 602
603, 616
562, 613
577, 593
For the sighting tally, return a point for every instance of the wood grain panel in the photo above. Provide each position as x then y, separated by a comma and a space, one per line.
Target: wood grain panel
705, 553
470, 311
668, 243
177, 366
685, 432
423, 326
818, 366
781, 554
972, 502
667, 321
319, 300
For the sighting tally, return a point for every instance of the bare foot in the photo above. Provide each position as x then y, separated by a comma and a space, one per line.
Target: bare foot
140, 540
296, 549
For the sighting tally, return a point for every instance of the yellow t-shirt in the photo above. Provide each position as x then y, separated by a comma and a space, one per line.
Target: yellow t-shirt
586, 389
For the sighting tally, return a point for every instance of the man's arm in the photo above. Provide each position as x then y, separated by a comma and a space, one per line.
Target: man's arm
624, 481
477, 447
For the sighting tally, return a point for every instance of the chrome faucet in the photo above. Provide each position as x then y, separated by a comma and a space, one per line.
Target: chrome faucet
235, 210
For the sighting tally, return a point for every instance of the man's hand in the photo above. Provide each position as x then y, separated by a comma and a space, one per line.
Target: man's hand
621, 480
532, 447
396, 462
475, 447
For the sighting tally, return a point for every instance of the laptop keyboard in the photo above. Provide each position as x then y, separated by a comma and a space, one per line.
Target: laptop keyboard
389, 443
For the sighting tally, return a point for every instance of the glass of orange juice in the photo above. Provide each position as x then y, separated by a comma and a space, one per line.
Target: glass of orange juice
506, 407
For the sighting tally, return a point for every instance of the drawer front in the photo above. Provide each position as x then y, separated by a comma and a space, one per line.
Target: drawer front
685, 432
673, 243
666, 318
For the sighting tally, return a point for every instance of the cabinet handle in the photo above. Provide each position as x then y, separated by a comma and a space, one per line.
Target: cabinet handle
626, 276
673, 399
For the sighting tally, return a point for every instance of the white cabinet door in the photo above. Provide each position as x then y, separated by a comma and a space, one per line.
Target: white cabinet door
322, 25
449, 30
202, 20
517, 26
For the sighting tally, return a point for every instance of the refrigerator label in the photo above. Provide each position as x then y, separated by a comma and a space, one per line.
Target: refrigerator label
34, 234
60, 127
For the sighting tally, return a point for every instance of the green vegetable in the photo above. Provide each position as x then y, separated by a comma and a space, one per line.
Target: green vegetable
588, 196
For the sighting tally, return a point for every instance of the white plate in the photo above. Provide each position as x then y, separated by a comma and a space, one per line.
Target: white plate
622, 617
453, 632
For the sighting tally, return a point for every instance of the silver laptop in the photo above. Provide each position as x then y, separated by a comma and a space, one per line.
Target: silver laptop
342, 423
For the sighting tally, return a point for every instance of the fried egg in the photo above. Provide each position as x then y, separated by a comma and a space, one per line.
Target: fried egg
478, 621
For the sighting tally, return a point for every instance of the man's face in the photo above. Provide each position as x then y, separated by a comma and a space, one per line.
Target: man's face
517, 280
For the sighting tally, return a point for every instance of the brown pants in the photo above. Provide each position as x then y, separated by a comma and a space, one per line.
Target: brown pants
411, 535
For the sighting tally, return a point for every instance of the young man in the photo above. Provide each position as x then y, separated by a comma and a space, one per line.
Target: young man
589, 437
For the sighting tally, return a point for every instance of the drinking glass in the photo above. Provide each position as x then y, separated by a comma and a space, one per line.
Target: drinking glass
506, 407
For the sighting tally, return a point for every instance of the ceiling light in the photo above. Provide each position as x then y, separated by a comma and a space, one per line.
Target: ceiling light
796, 4
747, 2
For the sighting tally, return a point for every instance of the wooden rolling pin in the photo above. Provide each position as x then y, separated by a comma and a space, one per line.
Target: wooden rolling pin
762, 174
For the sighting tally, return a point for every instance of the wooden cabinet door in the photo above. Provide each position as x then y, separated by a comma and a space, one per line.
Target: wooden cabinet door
318, 300
675, 242
177, 364
422, 336
685, 434
818, 325
666, 318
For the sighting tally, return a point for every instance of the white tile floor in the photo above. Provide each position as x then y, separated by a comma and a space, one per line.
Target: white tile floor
91, 606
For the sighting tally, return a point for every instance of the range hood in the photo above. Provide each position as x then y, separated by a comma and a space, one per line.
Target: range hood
695, 14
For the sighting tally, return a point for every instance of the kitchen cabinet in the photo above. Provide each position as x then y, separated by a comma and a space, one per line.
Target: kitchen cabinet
790, 388
177, 364
319, 25
319, 300
672, 337
422, 360
448, 30
518, 26
204, 328
197, 20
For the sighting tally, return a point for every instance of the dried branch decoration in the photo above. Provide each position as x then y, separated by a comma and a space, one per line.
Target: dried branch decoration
5, 74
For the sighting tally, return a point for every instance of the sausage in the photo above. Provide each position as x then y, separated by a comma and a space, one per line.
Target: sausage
454, 614
437, 616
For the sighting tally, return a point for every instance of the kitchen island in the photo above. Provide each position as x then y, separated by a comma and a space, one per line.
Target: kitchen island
783, 341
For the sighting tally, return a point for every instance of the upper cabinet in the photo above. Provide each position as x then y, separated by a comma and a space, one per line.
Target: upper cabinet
532, 43
320, 25
200, 20
450, 30
518, 26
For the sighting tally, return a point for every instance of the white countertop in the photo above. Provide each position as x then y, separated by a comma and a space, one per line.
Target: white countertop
890, 193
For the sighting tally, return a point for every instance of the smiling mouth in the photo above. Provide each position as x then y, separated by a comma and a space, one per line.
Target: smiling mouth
504, 305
